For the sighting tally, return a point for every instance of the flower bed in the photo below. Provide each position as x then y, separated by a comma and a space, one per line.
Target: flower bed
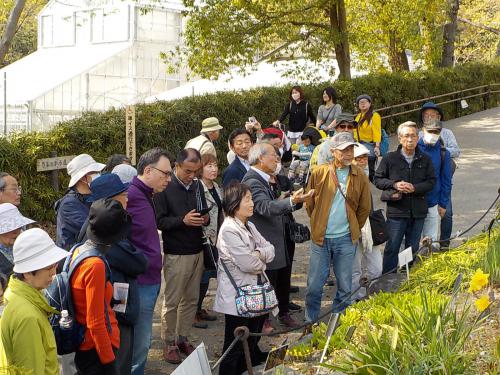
428, 327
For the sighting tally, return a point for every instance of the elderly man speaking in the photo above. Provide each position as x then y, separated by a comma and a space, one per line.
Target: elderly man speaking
338, 210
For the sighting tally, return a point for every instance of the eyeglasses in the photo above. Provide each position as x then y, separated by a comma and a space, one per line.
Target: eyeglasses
167, 174
346, 126
17, 189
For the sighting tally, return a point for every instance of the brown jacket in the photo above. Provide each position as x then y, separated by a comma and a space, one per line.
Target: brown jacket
318, 207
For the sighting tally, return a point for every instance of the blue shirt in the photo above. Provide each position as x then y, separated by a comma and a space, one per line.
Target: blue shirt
338, 225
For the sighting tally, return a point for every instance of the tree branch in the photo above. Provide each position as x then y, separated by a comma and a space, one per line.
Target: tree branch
479, 25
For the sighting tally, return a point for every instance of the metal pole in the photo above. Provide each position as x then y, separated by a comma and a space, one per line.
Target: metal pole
5, 103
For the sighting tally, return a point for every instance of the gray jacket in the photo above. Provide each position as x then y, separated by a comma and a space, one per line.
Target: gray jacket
245, 253
269, 217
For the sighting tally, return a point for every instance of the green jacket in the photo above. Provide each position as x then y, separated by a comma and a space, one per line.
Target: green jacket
27, 338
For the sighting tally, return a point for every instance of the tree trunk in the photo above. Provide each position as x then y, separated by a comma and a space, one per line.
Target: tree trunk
10, 29
338, 24
397, 55
450, 33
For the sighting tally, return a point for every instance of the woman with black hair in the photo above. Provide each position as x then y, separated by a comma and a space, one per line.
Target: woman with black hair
369, 130
244, 253
328, 111
301, 113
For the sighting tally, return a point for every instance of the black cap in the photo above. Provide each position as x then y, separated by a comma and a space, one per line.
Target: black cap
108, 222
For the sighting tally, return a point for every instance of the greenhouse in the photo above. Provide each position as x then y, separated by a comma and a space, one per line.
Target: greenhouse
91, 56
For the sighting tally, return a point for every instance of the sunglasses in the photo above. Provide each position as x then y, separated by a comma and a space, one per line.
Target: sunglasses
346, 126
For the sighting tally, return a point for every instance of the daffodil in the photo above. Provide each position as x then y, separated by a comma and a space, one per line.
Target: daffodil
479, 281
482, 303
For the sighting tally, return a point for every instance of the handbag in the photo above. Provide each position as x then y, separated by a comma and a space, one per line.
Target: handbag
253, 300
210, 254
379, 227
298, 233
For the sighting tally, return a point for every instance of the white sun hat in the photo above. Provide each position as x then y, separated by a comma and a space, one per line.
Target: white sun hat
34, 250
80, 166
11, 219
361, 150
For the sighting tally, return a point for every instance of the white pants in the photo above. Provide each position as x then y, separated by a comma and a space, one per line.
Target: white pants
67, 364
432, 224
366, 264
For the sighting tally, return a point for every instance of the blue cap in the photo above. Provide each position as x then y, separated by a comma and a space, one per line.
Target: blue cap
430, 105
106, 186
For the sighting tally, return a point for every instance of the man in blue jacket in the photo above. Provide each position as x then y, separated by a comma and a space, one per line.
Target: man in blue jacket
240, 142
439, 197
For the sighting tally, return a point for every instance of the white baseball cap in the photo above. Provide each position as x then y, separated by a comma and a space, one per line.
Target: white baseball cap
361, 150
11, 219
80, 166
125, 172
34, 250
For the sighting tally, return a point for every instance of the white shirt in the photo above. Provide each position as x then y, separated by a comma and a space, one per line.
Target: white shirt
244, 162
262, 174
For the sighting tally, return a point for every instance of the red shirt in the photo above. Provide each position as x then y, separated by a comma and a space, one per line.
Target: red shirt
89, 297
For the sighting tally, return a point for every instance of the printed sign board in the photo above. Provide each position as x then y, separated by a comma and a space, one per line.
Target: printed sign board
52, 164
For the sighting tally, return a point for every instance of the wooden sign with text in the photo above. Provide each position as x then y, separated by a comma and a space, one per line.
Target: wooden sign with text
130, 133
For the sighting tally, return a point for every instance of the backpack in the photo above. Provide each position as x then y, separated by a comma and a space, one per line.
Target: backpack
384, 143
443, 158
59, 297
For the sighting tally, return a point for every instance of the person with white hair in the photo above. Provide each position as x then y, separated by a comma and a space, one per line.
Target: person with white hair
405, 176
368, 258
73, 209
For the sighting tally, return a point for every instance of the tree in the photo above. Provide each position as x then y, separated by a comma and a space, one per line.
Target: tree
24, 40
221, 34
11, 28
450, 32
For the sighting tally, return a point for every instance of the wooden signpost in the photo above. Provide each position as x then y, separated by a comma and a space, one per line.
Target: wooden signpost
130, 133
52, 165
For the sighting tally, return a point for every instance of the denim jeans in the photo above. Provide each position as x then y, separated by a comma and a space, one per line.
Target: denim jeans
410, 229
143, 329
447, 225
342, 251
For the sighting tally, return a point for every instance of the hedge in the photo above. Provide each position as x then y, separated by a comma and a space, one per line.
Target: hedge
171, 124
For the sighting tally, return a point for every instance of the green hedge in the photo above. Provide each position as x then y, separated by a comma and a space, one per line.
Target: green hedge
171, 124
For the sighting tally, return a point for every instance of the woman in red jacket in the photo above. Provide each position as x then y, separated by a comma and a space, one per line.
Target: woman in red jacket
92, 290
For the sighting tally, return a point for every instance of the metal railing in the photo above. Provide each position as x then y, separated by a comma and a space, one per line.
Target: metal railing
486, 91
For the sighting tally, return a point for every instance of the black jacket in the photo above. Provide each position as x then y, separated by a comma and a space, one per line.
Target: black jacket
171, 206
300, 115
394, 168
126, 263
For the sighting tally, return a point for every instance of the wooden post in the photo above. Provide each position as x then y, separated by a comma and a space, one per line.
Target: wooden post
54, 175
486, 98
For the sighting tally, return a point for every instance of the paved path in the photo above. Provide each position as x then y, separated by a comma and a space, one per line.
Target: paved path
476, 182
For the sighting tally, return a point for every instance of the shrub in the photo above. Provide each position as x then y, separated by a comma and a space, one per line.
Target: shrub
171, 124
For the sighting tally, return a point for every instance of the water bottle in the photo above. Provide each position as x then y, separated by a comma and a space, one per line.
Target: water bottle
66, 322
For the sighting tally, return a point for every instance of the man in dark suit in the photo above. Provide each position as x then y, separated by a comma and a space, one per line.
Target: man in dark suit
270, 216
240, 142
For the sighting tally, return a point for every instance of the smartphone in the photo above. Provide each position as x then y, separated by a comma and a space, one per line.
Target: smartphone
252, 119
204, 211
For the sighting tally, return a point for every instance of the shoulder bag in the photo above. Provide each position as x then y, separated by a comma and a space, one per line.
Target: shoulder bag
253, 300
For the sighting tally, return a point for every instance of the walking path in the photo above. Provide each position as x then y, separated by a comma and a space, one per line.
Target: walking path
475, 186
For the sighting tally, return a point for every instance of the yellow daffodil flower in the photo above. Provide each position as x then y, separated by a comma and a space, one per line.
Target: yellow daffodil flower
482, 303
479, 281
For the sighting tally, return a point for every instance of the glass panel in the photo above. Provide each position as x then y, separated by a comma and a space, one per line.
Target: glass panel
46, 31
116, 24
97, 26
82, 25
64, 29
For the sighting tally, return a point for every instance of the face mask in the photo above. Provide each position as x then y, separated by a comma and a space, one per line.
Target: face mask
430, 138
296, 96
93, 177
366, 170
278, 169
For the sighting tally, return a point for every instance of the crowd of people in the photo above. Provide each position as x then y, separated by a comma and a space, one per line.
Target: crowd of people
168, 217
